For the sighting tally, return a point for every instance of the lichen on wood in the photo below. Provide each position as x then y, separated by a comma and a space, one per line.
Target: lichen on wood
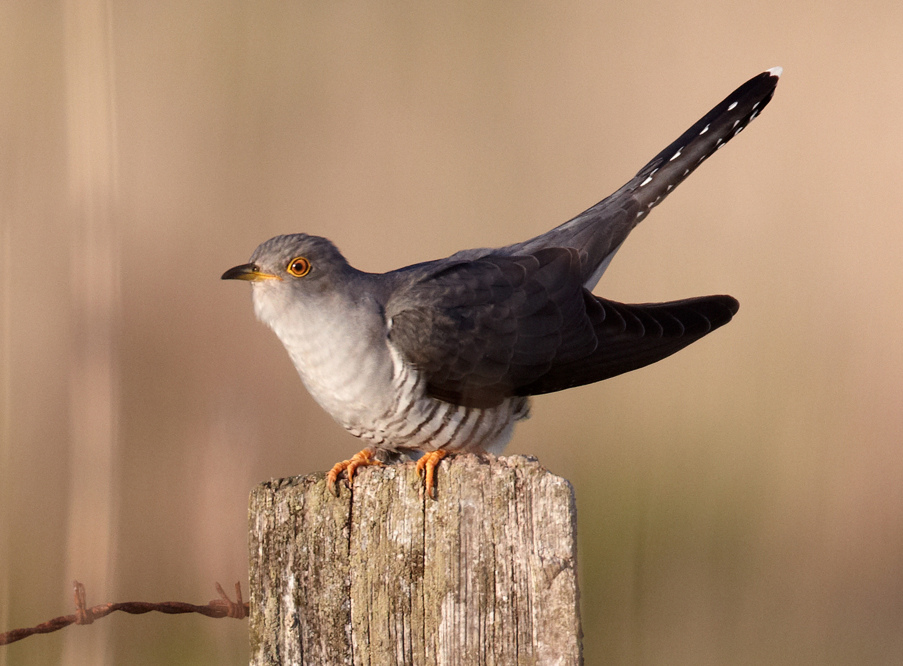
484, 574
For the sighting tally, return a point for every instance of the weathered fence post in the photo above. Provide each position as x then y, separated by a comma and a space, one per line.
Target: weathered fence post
485, 574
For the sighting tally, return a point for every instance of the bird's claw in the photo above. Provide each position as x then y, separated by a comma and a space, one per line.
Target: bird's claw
362, 458
426, 467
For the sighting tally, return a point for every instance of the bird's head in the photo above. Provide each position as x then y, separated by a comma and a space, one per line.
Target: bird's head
287, 272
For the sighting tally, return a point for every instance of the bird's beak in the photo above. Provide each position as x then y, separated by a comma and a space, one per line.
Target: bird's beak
249, 272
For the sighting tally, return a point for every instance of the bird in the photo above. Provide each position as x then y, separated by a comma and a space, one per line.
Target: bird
442, 357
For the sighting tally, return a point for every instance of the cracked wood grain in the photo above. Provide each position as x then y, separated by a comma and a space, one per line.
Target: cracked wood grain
485, 574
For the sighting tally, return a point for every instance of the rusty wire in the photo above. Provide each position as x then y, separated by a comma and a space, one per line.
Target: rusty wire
222, 607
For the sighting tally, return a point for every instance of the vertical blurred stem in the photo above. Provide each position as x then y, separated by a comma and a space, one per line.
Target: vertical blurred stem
93, 388
5, 417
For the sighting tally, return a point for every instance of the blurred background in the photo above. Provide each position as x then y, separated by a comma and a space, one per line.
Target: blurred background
741, 502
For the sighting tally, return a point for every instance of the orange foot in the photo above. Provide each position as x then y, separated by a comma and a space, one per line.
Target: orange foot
360, 459
428, 463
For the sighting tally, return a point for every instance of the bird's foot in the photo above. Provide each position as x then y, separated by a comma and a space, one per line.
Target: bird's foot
360, 459
426, 467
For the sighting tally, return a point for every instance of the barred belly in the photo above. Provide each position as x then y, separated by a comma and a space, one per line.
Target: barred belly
417, 421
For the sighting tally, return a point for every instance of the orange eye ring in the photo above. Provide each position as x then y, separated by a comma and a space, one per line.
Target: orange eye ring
299, 267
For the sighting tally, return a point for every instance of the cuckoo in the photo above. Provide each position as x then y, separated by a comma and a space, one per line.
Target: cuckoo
442, 357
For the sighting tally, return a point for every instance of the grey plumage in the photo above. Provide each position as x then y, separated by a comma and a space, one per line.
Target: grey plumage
444, 354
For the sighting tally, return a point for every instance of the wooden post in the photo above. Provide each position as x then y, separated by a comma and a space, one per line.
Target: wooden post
484, 574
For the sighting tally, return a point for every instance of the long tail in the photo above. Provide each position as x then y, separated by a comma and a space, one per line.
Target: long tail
670, 167
599, 231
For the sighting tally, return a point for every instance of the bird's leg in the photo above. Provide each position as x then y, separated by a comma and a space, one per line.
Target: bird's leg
360, 459
426, 467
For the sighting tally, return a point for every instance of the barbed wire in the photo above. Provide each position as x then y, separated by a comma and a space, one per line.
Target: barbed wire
222, 607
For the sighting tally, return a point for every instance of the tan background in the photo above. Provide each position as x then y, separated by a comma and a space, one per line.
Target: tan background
741, 502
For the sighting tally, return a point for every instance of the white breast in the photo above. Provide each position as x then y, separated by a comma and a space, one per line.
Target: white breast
347, 363
343, 359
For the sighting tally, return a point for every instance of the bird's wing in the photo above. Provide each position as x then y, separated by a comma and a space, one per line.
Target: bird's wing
498, 326
479, 329
633, 336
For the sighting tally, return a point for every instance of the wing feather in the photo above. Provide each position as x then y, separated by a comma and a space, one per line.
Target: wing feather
485, 329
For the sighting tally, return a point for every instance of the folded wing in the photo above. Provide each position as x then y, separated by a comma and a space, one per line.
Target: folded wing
498, 326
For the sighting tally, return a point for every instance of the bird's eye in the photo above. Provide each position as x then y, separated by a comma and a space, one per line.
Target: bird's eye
299, 267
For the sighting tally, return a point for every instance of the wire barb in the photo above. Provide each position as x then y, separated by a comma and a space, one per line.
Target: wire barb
82, 616
222, 607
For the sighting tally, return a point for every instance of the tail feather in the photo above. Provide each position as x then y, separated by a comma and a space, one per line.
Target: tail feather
671, 166
598, 232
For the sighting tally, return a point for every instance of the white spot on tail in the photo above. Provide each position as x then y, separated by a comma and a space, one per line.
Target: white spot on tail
674, 156
776, 72
704, 130
732, 106
647, 181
